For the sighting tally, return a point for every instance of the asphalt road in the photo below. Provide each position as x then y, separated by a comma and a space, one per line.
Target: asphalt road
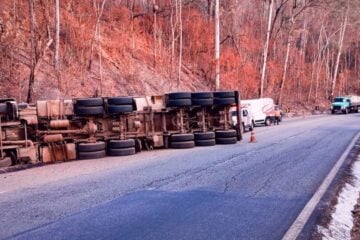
242, 191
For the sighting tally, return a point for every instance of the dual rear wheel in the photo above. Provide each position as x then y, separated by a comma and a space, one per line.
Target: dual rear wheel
99, 149
121, 147
202, 99
91, 150
203, 139
118, 105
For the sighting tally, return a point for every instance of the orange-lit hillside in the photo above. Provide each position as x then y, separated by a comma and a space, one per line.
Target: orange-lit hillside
136, 50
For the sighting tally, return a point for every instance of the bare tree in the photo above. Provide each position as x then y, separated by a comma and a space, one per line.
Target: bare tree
217, 46
286, 63
172, 25
210, 8
57, 36
319, 60
98, 12
33, 52
155, 9
132, 67
340, 46
97, 35
293, 14
266, 49
180, 43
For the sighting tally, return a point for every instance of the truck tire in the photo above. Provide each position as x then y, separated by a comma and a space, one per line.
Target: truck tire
129, 143
3, 108
120, 101
224, 101
179, 95
204, 135
182, 137
87, 111
179, 103
180, 141
205, 143
332, 111
202, 95
91, 147
92, 155
231, 140
224, 94
182, 145
115, 109
122, 151
202, 99
202, 102
225, 134
89, 102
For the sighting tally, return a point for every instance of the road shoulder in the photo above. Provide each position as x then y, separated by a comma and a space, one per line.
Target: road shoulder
333, 216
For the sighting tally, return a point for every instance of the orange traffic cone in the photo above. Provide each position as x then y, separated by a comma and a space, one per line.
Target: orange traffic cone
252, 137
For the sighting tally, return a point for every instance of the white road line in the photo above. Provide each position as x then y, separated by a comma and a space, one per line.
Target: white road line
295, 229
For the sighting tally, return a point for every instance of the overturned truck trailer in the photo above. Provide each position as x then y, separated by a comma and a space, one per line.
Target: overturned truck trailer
87, 128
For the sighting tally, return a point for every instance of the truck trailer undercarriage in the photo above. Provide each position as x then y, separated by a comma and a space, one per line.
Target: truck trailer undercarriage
86, 128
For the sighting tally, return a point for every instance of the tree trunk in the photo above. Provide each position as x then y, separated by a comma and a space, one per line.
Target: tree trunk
288, 48
283, 79
173, 26
210, 9
100, 48
100, 59
33, 52
154, 31
266, 49
317, 78
180, 44
341, 42
57, 35
304, 40
132, 67
329, 67
317, 63
217, 46
311, 78
98, 16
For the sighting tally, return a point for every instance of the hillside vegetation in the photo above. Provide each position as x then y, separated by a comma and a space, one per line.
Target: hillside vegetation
116, 47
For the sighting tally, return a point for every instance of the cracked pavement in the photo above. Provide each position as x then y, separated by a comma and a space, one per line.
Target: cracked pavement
242, 191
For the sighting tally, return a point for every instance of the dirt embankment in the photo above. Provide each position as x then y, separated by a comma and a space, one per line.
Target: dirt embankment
119, 59
355, 232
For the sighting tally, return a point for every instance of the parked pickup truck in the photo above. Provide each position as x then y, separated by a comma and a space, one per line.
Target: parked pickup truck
345, 104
